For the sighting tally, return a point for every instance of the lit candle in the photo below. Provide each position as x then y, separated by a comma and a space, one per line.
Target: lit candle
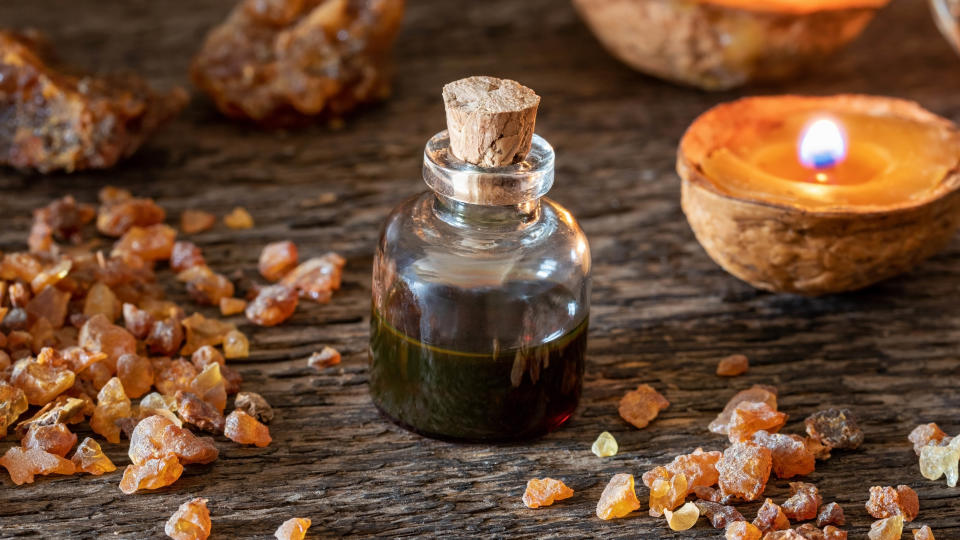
818, 195
833, 158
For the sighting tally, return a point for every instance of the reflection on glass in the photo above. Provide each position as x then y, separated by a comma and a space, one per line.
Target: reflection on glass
947, 15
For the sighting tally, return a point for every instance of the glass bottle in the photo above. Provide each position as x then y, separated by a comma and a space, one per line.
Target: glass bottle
481, 295
946, 13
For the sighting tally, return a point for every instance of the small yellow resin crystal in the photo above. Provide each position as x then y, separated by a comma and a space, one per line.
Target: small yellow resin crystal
684, 518
605, 445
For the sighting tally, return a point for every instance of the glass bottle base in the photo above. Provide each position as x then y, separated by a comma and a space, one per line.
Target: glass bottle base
553, 426
505, 395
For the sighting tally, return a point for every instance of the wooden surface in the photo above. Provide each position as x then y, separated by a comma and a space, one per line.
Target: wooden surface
663, 312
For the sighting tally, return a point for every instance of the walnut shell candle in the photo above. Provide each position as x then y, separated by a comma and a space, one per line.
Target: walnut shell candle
721, 44
779, 225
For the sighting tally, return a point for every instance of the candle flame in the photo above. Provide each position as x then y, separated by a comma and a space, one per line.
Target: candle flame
823, 145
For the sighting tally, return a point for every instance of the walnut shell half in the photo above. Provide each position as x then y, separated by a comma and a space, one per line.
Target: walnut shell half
791, 249
721, 44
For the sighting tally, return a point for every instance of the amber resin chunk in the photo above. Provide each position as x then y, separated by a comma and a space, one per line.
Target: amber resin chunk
101, 300
750, 417
699, 469
66, 121
770, 518
757, 393
808, 531
64, 409
899, 205
744, 470
886, 502
137, 321
165, 337
925, 434
190, 522
803, 502
61, 220
236, 345
13, 403
326, 357
153, 243
832, 533
284, 62
196, 221
835, 428
203, 331
198, 412
890, 528
24, 464
242, 428
40, 382
238, 218
89, 458
232, 306
791, 453
118, 216
210, 386
317, 278
157, 401
733, 365
923, 533
619, 498
157, 436
185, 255
50, 304
255, 405
641, 406
273, 305
277, 259
174, 375
293, 529
205, 286
136, 374
98, 334
719, 515
153, 473
206, 355
742, 530
667, 489
545, 492
831, 514
112, 405
56, 438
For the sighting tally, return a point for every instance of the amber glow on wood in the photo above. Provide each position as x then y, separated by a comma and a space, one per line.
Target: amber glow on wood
797, 6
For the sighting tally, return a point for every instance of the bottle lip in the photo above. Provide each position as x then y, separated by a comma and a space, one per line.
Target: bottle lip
513, 184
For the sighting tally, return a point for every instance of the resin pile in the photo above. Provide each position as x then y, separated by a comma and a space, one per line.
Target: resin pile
86, 330
715, 481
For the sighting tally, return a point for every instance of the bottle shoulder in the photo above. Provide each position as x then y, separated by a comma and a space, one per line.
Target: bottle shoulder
415, 225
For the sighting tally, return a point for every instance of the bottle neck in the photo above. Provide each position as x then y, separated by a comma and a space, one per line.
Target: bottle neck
486, 217
511, 189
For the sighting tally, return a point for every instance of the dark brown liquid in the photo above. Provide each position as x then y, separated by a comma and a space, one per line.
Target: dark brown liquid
466, 393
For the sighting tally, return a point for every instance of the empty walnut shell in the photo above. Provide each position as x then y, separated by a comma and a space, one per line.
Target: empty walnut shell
784, 248
721, 44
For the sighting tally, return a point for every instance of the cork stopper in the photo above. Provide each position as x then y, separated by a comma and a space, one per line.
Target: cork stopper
490, 121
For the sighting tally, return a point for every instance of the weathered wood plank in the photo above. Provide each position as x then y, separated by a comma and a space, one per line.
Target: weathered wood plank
663, 312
